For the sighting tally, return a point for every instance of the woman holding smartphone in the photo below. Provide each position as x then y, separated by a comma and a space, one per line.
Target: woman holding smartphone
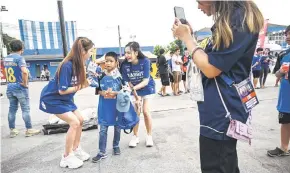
57, 98
230, 51
136, 70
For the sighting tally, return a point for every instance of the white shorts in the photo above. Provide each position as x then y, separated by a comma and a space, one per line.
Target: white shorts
142, 97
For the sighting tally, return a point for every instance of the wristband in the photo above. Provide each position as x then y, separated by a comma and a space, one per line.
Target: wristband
132, 88
194, 50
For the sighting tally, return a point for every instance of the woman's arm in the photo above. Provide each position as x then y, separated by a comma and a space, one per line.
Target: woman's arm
69, 90
200, 58
218, 60
134, 91
142, 84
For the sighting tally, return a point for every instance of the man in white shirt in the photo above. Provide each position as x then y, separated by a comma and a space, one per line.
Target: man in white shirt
176, 68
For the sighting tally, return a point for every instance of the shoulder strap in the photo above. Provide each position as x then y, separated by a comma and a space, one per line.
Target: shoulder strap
228, 115
125, 131
102, 76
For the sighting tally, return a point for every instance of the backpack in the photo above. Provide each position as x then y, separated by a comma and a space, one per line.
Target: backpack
128, 120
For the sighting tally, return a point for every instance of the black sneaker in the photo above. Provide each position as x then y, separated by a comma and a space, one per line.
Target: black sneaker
277, 152
117, 151
99, 157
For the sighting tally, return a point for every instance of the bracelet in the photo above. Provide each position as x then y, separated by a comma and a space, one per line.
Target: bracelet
132, 88
194, 50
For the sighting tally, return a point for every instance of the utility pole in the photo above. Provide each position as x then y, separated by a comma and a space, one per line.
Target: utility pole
2, 46
120, 47
62, 27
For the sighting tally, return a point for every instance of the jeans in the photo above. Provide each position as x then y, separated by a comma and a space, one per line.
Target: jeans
103, 138
264, 74
15, 96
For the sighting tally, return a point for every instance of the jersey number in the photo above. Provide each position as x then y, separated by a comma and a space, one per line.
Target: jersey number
10, 75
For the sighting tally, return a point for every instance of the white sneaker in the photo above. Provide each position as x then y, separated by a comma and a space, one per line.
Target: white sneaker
71, 161
134, 141
81, 154
149, 141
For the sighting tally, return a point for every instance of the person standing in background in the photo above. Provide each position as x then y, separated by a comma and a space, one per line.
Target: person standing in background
47, 74
169, 62
256, 66
17, 89
42, 75
185, 59
176, 69
265, 62
163, 72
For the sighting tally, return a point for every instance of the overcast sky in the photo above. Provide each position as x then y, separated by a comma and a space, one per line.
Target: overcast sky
149, 20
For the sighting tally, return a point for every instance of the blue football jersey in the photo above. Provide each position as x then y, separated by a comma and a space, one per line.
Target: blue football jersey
13, 64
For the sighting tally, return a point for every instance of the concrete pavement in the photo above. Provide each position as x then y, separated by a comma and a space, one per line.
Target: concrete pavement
175, 132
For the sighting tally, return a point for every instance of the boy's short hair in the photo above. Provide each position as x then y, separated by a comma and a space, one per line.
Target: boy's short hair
16, 45
161, 51
112, 54
259, 49
287, 29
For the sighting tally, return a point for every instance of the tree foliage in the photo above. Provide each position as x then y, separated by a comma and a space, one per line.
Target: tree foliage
6, 40
157, 49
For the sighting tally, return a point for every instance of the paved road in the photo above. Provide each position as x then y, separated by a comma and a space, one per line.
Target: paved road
176, 129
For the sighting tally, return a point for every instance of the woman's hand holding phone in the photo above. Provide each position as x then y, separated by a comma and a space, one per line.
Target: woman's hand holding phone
182, 31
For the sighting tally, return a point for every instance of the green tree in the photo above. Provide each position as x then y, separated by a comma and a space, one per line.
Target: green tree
6, 40
172, 46
176, 44
180, 45
157, 49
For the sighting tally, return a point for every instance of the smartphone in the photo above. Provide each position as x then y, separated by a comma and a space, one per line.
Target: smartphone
179, 13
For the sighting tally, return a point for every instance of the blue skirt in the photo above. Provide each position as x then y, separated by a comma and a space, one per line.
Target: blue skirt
52, 108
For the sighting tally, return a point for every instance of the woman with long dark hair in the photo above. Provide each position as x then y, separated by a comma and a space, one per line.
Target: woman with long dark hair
265, 64
57, 98
135, 69
228, 55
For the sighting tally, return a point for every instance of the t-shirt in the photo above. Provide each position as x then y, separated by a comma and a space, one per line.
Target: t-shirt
176, 67
185, 61
264, 62
135, 73
162, 65
169, 62
50, 93
284, 93
235, 62
256, 59
107, 111
13, 64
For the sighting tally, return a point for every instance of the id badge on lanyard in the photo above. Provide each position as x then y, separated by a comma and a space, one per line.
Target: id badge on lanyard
237, 129
246, 92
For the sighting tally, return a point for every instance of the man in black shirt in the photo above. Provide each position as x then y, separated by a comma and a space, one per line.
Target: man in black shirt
163, 71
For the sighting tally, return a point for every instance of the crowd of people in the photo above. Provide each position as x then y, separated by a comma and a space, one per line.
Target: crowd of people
226, 59
172, 70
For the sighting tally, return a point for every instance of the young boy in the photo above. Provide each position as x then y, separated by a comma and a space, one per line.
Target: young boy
284, 102
256, 67
17, 89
